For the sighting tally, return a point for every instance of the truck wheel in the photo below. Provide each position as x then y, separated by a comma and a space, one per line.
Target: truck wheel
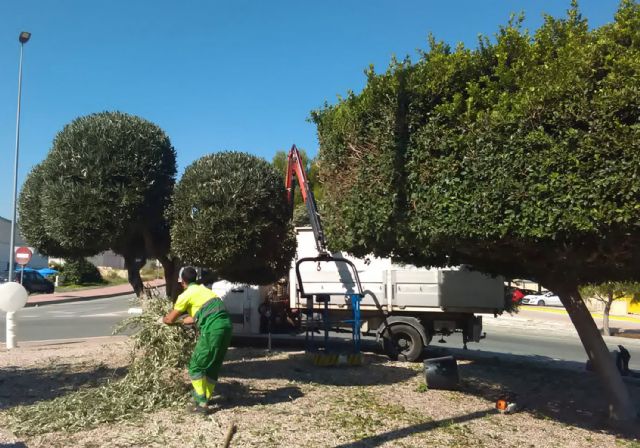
402, 342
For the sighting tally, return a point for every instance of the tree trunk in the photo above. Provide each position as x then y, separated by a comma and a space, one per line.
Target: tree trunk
157, 245
171, 269
620, 408
133, 274
605, 316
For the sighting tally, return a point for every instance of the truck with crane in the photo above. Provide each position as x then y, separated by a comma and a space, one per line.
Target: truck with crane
403, 306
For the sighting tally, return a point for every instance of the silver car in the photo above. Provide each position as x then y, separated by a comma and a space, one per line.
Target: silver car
546, 299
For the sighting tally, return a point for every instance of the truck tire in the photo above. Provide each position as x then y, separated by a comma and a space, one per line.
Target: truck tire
402, 342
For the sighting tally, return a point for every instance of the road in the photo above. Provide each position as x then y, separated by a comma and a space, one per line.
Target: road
98, 317
69, 320
546, 345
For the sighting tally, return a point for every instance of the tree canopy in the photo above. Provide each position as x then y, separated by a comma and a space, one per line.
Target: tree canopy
512, 154
104, 185
229, 214
519, 157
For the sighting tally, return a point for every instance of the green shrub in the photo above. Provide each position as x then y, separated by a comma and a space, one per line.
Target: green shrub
79, 271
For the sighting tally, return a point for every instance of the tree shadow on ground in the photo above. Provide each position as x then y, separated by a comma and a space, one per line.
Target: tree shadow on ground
300, 368
558, 390
28, 386
546, 388
401, 433
231, 394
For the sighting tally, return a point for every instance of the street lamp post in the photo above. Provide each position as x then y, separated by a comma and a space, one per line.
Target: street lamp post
23, 38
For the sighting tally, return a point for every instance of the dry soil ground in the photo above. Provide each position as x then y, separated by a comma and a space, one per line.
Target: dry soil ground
282, 400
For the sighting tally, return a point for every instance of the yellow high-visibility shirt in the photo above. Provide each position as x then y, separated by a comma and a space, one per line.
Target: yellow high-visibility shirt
192, 299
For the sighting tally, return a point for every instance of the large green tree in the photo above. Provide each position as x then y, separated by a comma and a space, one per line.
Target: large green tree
105, 184
519, 157
229, 214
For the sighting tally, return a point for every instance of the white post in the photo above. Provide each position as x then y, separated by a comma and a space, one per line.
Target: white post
11, 330
13, 296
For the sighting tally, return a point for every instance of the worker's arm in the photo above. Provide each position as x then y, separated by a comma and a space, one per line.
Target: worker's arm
179, 308
173, 315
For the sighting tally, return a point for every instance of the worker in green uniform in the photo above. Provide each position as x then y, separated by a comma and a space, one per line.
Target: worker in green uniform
207, 311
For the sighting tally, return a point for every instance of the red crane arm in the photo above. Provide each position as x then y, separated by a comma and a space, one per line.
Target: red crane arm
295, 166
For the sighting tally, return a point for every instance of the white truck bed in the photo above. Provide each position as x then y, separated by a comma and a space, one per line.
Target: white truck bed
394, 287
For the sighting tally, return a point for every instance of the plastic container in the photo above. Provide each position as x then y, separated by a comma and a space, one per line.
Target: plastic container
441, 373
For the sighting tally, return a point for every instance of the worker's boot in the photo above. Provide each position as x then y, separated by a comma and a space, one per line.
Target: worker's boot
198, 408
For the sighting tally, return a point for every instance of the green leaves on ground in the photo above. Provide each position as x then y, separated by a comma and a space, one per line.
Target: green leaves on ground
154, 380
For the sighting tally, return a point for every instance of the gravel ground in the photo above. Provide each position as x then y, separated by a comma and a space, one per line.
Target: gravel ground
281, 400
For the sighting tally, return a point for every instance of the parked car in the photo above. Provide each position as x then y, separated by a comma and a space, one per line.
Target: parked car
546, 299
516, 294
34, 282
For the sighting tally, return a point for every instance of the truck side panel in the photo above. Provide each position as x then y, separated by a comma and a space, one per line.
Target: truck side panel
395, 288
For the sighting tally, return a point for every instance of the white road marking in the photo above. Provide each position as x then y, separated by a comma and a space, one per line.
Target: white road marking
116, 314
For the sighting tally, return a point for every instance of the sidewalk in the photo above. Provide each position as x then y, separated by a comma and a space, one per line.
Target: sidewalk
87, 294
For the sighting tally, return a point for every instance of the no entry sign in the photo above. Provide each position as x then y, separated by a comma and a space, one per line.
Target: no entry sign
23, 255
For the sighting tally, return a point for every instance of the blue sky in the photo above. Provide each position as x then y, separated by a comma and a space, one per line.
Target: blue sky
233, 75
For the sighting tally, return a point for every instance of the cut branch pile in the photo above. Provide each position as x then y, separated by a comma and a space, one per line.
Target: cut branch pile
153, 381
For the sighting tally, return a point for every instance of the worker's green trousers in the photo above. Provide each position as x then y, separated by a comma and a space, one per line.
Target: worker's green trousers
207, 357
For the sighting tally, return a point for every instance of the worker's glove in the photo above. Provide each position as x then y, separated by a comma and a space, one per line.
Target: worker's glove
160, 320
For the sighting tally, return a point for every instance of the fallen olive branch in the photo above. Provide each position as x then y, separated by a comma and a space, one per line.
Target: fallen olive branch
153, 381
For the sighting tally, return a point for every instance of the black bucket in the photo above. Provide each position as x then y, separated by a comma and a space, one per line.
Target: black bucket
441, 373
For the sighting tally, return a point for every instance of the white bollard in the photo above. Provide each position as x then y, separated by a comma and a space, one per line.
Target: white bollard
11, 330
13, 296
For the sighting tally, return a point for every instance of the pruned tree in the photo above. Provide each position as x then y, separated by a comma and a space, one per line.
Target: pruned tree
31, 220
607, 293
229, 214
105, 184
519, 158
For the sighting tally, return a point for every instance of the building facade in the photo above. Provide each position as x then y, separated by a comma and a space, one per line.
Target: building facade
38, 261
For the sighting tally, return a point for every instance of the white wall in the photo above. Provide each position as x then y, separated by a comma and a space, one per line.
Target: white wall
37, 261
108, 259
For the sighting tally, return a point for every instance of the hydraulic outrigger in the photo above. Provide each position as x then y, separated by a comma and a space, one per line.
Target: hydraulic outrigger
295, 167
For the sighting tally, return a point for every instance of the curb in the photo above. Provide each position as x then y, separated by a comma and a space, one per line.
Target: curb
68, 299
76, 299
65, 341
